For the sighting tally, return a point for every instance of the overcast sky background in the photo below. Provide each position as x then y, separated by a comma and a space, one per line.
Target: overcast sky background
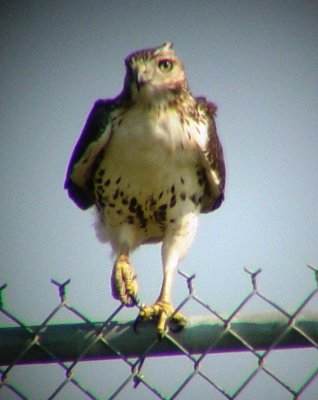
258, 61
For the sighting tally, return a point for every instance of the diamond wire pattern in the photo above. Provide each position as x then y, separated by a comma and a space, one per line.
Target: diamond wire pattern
136, 377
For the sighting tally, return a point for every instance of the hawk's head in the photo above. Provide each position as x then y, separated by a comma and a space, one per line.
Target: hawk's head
154, 73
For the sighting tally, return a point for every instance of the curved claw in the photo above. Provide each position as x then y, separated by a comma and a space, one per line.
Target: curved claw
123, 282
163, 313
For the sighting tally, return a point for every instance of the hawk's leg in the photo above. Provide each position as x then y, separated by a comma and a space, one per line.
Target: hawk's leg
162, 311
175, 245
123, 281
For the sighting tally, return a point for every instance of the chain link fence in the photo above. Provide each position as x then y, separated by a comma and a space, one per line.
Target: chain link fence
234, 357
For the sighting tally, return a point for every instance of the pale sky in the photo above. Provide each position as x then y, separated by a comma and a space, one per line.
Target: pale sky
258, 61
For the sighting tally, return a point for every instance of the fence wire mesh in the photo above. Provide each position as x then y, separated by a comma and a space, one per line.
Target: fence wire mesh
198, 368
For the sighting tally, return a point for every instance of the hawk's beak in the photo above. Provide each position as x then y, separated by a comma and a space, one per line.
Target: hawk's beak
138, 84
140, 79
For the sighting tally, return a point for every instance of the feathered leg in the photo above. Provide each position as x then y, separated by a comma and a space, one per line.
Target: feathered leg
175, 245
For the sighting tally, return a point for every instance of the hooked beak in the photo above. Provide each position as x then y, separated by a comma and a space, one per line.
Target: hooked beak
140, 79
138, 83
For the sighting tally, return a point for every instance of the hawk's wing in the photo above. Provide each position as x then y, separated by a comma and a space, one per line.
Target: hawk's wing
94, 137
213, 161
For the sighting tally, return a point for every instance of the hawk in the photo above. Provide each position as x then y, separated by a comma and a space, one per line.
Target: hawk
150, 161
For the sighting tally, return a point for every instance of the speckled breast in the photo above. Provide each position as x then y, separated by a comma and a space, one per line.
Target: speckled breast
144, 181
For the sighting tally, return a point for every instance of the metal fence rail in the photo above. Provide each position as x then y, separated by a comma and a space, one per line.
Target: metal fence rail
67, 345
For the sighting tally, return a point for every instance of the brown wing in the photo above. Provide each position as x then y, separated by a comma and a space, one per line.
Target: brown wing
94, 137
213, 161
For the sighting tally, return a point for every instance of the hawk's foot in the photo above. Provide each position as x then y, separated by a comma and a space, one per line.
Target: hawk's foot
162, 312
123, 282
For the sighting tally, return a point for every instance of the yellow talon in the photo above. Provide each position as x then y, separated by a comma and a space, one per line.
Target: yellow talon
162, 312
123, 281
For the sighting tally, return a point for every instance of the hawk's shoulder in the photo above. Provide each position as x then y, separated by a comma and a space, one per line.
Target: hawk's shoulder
95, 135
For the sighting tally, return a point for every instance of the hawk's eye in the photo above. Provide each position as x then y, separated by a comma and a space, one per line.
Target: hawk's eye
165, 65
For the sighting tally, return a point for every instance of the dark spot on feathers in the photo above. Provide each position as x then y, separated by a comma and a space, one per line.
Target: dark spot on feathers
118, 180
160, 215
195, 199
172, 189
107, 182
182, 196
130, 219
100, 197
116, 194
133, 204
139, 212
173, 201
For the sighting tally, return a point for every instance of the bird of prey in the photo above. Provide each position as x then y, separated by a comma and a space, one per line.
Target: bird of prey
150, 161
